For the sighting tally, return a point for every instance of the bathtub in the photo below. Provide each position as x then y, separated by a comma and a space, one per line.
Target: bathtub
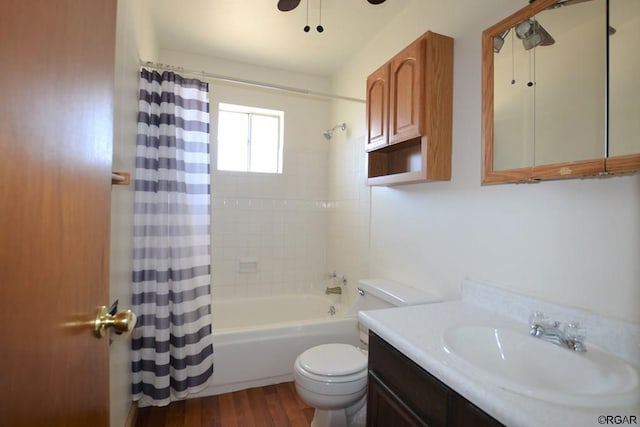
256, 340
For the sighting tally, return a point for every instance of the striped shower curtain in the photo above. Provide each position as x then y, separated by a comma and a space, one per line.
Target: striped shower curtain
172, 349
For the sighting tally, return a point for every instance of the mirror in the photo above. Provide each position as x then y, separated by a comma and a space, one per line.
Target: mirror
545, 111
624, 84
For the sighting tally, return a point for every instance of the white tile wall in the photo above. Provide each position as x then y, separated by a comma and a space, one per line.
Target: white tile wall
349, 206
279, 220
287, 237
301, 225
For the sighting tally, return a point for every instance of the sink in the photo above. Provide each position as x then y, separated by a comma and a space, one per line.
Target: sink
510, 358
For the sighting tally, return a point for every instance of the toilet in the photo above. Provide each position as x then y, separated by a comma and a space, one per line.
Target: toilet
333, 377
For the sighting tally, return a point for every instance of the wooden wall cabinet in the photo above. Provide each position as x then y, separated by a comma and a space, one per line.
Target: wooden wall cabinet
401, 393
378, 108
406, 93
409, 114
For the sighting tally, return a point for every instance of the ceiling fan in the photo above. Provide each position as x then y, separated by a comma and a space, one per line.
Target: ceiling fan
287, 5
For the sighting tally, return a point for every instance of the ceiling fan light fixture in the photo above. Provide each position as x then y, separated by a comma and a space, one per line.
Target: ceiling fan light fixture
289, 5
498, 41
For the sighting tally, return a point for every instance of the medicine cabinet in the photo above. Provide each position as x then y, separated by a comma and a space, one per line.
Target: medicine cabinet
560, 91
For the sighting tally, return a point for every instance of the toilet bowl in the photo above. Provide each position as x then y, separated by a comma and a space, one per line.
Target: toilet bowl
333, 379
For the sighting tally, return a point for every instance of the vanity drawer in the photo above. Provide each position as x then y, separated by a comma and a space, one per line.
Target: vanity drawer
422, 392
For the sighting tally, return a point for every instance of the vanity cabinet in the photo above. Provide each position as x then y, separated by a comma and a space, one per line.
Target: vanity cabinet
409, 114
401, 393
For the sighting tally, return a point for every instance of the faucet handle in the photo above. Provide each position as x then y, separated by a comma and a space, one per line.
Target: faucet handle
535, 320
574, 332
575, 336
538, 318
538, 322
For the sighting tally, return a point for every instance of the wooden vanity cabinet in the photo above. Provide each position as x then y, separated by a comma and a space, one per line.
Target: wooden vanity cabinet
409, 114
401, 393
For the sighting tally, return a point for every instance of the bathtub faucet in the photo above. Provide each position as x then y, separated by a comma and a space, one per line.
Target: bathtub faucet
334, 290
333, 277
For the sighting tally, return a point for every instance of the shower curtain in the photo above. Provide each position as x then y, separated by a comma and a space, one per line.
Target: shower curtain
172, 349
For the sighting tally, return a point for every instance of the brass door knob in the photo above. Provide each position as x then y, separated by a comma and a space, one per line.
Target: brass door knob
122, 321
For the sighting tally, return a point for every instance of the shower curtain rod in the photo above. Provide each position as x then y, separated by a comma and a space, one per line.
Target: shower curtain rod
218, 77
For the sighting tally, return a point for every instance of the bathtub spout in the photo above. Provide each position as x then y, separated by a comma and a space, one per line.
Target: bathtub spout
334, 290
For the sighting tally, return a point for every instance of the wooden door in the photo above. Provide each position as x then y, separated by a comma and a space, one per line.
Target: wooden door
406, 99
56, 80
378, 108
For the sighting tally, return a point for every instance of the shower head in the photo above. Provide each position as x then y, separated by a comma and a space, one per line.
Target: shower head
329, 132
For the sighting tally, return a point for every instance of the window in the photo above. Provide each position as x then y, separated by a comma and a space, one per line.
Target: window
249, 139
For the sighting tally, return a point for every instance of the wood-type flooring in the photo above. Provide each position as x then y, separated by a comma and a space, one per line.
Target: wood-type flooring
270, 406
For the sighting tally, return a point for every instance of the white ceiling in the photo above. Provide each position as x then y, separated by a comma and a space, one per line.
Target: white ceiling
256, 32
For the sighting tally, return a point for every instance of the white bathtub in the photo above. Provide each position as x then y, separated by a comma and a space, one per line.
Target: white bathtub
256, 340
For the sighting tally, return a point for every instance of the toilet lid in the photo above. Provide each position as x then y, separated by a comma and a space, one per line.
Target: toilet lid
333, 360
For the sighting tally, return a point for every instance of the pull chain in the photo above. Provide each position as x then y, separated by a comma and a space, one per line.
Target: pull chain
307, 27
513, 58
320, 28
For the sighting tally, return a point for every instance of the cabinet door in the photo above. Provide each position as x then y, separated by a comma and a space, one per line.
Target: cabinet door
384, 408
414, 387
466, 414
378, 108
406, 97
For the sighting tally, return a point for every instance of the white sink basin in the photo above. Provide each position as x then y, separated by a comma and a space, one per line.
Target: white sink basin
512, 359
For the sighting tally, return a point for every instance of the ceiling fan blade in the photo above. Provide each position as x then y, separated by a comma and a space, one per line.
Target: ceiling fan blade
376, 1
562, 3
570, 2
287, 5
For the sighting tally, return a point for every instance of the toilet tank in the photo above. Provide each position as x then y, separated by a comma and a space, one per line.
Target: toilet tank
383, 293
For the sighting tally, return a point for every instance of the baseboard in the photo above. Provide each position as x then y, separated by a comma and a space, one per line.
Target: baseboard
214, 390
132, 417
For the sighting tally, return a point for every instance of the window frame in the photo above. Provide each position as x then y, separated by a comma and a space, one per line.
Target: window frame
252, 112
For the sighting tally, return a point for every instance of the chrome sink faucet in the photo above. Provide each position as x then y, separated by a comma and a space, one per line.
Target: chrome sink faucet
570, 336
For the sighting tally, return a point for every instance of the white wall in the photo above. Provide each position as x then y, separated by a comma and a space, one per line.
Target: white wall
573, 242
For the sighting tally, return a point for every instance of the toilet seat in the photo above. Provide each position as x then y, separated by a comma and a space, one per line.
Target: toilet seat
316, 376
332, 370
334, 360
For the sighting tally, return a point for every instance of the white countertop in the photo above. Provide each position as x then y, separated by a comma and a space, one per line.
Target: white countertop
417, 331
